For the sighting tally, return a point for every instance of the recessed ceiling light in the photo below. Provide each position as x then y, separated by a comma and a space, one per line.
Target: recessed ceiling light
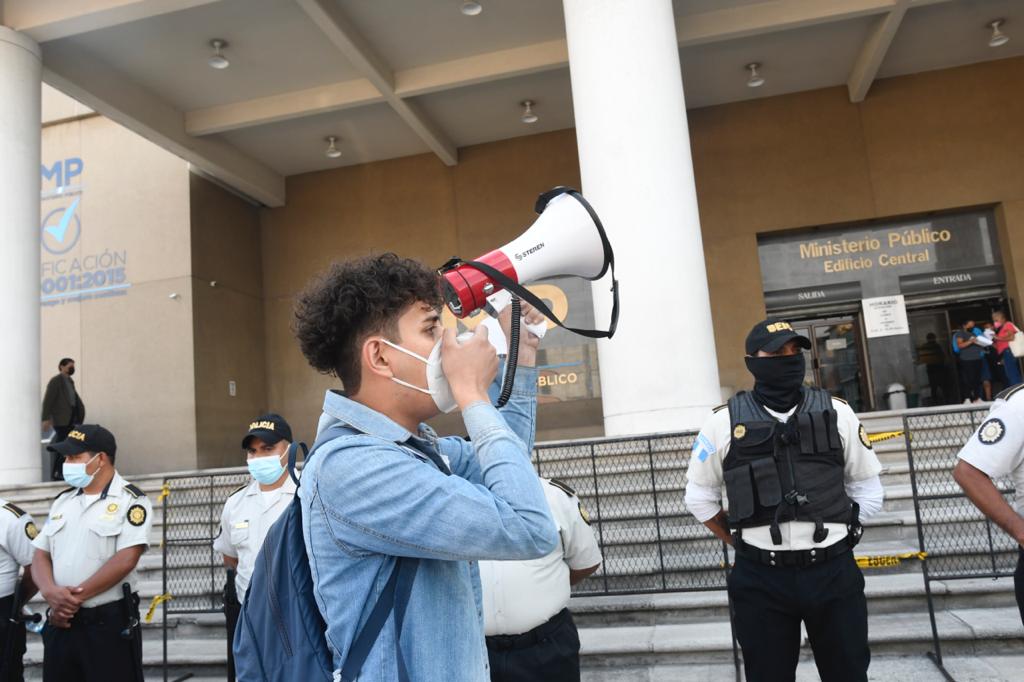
528, 115
755, 80
471, 9
218, 61
998, 37
332, 151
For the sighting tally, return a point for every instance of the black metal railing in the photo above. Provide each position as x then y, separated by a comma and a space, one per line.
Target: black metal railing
958, 541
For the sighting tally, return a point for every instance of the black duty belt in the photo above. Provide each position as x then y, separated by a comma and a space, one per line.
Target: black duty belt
111, 612
530, 637
799, 558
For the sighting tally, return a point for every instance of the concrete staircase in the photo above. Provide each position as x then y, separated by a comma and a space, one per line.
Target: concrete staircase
646, 636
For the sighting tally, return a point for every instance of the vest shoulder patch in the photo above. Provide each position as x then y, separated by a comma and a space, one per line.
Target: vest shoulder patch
563, 486
14, 509
134, 490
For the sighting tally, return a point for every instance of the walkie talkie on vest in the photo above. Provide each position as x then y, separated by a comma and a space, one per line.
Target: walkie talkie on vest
566, 240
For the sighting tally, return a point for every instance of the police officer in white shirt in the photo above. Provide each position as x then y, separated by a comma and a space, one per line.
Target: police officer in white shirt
530, 633
17, 531
250, 511
84, 565
996, 449
800, 476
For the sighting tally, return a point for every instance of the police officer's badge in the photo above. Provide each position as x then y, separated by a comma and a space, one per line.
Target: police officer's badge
584, 514
864, 437
31, 531
136, 515
739, 432
992, 431
112, 507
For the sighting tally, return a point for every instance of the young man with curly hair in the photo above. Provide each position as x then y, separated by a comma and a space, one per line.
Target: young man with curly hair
391, 508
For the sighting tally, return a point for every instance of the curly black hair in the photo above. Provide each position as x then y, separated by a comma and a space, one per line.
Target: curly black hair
352, 300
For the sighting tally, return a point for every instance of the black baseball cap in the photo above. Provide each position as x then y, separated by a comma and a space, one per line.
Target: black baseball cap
772, 334
86, 438
270, 428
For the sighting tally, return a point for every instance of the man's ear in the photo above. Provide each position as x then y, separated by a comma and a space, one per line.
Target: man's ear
374, 358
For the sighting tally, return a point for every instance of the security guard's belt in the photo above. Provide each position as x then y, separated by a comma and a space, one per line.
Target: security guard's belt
801, 558
531, 637
111, 612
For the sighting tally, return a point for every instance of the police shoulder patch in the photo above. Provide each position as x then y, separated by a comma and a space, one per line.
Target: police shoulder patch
14, 509
136, 515
134, 490
992, 431
31, 532
563, 486
864, 437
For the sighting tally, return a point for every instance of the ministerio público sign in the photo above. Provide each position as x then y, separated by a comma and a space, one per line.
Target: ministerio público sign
911, 257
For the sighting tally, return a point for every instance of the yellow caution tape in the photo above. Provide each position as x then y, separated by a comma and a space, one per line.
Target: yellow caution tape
885, 435
164, 492
157, 601
888, 561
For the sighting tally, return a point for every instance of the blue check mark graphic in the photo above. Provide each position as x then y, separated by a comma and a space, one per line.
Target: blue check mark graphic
60, 230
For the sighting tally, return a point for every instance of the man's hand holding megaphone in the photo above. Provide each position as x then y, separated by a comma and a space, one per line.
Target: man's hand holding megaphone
470, 365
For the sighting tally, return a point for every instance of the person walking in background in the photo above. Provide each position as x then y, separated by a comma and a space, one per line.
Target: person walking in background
62, 409
971, 361
1005, 331
931, 356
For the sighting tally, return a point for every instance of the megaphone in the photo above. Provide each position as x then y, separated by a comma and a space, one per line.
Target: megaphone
566, 239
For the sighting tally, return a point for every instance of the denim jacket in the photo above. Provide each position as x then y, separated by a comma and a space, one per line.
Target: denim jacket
370, 497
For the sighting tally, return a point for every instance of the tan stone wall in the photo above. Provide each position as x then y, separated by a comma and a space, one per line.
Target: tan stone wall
227, 294
133, 351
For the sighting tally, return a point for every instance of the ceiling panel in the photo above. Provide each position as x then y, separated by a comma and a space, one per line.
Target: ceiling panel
491, 111
792, 61
407, 34
951, 34
273, 47
367, 134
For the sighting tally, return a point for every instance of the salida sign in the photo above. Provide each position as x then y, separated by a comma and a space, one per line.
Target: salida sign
69, 276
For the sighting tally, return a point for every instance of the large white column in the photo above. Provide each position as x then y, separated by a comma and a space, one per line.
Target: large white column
660, 372
20, 85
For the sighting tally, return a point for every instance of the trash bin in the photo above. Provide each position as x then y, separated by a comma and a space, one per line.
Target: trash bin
896, 396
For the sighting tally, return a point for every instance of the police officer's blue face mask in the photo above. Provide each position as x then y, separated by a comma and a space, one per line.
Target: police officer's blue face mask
267, 469
75, 475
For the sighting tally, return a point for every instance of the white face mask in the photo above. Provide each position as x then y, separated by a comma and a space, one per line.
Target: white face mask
437, 383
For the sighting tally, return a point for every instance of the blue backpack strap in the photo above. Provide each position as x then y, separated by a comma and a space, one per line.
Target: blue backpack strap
394, 597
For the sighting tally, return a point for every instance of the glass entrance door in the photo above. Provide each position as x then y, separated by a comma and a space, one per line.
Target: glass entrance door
835, 361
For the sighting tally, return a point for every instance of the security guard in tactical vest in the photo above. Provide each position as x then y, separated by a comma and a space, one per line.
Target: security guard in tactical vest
17, 530
800, 476
531, 636
84, 565
996, 450
250, 511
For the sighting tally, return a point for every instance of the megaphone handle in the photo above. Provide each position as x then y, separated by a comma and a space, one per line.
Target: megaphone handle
513, 356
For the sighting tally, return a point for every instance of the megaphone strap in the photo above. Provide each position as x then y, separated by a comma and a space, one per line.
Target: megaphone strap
534, 300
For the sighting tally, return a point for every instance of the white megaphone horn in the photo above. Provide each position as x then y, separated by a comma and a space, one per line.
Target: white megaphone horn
567, 239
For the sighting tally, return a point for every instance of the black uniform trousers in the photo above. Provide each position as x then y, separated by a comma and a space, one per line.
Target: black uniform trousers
231, 611
93, 648
11, 670
548, 653
771, 601
1018, 583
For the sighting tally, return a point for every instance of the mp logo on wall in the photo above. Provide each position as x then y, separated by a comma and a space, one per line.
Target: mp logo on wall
70, 272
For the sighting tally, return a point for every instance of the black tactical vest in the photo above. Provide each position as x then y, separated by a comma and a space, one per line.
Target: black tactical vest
790, 471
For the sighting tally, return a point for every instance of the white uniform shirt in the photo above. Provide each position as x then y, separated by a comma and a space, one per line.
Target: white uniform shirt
712, 445
520, 595
83, 532
247, 517
17, 531
997, 446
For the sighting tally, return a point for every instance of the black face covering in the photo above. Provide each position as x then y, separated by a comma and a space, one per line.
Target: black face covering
71, 372
778, 379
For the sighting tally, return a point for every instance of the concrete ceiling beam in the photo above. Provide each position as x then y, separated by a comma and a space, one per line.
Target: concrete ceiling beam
872, 54
48, 20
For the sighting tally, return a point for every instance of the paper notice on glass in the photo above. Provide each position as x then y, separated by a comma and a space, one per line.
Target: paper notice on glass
885, 316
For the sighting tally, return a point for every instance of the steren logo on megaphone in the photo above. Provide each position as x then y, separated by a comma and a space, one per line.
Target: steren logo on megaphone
524, 254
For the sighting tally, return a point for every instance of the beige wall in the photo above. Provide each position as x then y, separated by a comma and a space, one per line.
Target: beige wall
134, 351
227, 313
